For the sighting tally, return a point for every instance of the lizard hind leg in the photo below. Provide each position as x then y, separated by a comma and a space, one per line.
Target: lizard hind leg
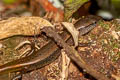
28, 51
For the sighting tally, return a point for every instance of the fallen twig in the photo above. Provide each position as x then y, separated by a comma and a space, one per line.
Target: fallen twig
73, 54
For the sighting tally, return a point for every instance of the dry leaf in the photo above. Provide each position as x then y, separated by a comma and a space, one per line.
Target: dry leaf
27, 26
74, 32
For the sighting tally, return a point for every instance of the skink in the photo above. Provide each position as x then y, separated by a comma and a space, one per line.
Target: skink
49, 52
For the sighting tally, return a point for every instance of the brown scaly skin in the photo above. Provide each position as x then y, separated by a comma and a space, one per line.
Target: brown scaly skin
47, 54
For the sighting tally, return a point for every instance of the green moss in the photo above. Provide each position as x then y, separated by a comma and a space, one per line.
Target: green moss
109, 44
115, 58
115, 45
105, 26
117, 25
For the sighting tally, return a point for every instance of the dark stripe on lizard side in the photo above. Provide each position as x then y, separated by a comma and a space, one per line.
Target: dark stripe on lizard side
49, 52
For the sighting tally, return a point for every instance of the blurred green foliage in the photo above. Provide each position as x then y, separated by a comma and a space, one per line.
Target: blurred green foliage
9, 1
116, 3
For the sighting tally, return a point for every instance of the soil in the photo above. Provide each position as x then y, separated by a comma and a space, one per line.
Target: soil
101, 53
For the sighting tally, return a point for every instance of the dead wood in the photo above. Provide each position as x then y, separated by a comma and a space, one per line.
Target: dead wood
73, 54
